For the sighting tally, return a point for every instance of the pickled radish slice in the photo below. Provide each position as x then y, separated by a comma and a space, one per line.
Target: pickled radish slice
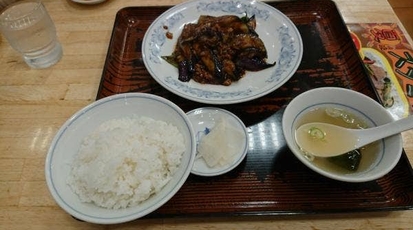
220, 146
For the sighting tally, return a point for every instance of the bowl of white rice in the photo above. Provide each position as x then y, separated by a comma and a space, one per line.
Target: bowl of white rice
120, 158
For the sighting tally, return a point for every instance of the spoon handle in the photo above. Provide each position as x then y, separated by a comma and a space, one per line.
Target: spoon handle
370, 135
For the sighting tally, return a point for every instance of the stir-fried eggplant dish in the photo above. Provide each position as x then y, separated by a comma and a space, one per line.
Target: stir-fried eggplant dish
218, 50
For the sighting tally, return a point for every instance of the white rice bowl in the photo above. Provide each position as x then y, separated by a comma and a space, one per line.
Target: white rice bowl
148, 152
72, 135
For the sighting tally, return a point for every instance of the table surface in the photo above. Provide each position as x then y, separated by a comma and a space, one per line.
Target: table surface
35, 103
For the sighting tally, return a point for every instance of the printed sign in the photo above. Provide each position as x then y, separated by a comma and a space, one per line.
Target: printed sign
388, 58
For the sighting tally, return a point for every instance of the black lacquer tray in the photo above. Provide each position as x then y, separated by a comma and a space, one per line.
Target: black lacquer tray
270, 181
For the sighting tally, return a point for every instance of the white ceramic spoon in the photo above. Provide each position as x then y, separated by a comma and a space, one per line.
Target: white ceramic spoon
327, 140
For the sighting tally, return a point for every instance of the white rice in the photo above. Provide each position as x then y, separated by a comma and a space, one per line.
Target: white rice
125, 161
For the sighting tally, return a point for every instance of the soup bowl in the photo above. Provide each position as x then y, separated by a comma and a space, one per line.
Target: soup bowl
377, 159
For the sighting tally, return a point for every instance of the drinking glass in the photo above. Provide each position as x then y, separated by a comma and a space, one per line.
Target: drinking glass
29, 29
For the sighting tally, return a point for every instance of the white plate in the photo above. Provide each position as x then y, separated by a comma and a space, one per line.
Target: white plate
279, 34
88, 2
206, 117
68, 139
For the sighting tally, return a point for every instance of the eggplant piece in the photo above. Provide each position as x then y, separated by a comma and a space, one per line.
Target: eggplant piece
243, 42
251, 52
188, 34
226, 24
222, 69
212, 63
231, 71
218, 66
186, 69
253, 64
205, 56
253, 59
183, 71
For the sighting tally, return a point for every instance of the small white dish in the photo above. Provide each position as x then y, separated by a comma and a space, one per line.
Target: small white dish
206, 118
89, 2
279, 34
